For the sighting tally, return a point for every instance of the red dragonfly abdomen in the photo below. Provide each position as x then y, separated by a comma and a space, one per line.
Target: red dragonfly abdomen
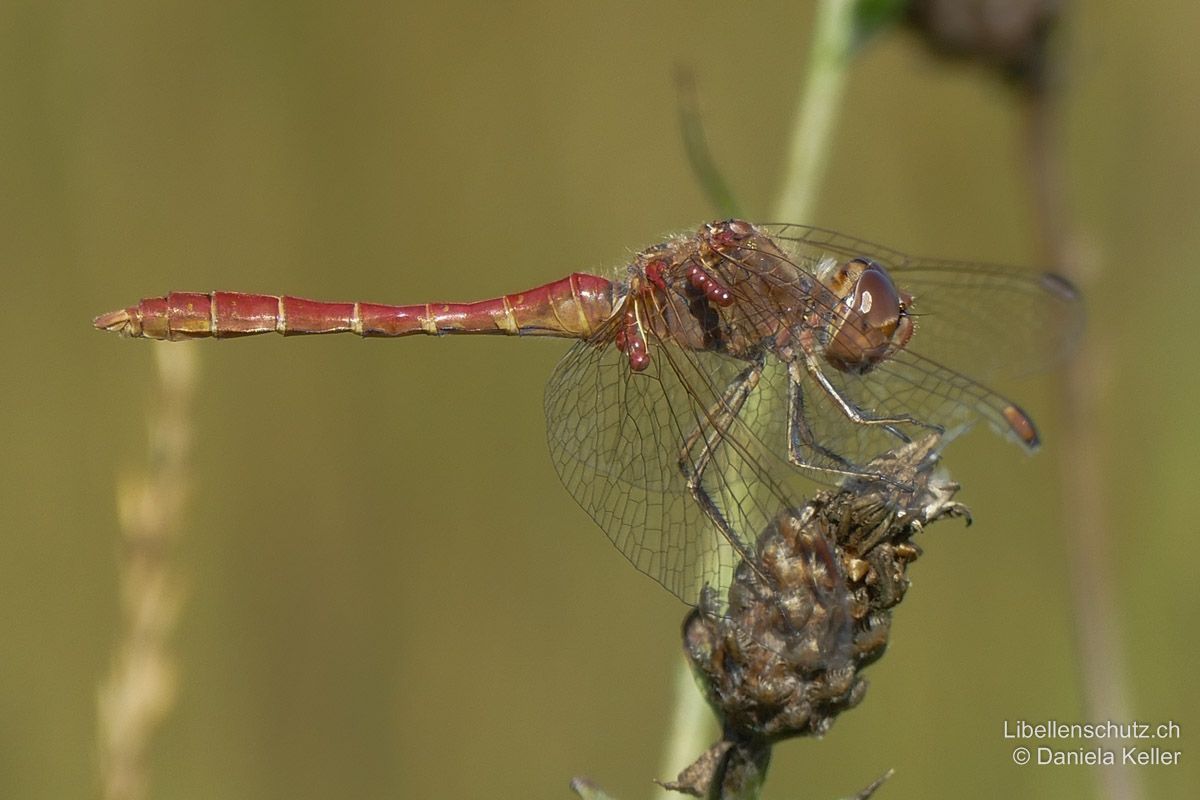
572, 307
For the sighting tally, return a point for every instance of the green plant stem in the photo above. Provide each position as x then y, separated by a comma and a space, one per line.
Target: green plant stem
691, 730
816, 113
812, 128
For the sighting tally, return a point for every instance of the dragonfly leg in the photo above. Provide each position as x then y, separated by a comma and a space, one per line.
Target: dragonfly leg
802, 441
854, 413
801, 436
709, 433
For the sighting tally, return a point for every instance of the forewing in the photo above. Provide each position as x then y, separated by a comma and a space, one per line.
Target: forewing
987, 320
805, 241
993, 321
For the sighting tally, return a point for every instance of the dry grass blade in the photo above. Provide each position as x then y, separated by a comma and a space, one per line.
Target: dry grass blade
140, 689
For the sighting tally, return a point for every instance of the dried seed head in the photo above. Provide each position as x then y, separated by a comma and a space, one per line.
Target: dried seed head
801, 622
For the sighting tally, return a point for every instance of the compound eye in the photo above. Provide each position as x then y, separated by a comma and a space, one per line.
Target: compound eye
876, 300
875, 321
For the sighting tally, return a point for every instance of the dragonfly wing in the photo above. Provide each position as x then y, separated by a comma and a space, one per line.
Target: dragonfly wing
808, 244
619, 440
988, 319
905, 386
991, 320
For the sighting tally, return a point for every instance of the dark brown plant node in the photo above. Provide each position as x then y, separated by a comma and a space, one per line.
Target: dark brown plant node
783, 659
1011, 37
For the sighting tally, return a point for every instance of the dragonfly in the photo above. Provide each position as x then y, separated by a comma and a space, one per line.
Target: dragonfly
721, 367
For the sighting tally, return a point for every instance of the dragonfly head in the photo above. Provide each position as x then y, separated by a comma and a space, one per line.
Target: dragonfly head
872, 319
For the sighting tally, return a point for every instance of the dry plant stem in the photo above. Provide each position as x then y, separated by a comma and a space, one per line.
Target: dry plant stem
140, 689
1088, 536
812, 128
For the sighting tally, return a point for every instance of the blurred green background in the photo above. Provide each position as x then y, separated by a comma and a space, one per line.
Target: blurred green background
388, 592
